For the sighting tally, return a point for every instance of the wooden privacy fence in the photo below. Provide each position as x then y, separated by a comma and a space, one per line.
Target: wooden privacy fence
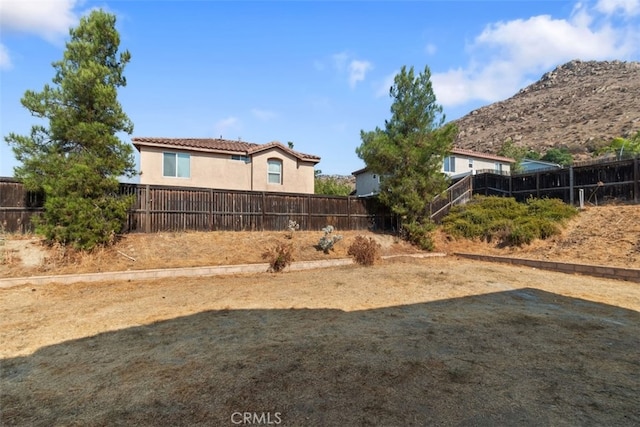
159, 208
17, 206
600, 181
162, 208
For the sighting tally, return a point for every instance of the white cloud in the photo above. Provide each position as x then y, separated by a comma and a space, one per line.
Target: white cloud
385, 85
355, 69
340, 60
358, 71
627, 7
507, 55
49, 19
263, 115
318, 65
226, 125
5, 61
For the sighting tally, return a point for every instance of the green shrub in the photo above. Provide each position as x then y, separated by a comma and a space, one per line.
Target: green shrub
521, 234
419, 234
462, 227
552, 209
279, 256
364, 251
506, 221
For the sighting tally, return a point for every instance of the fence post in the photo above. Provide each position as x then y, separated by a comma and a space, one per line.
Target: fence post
538, 185
636, 179
211, 210
571, 196
147, 208
486, 186
308, 212
349, 211
264, 208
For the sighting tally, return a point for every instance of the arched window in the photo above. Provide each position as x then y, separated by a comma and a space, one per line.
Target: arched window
274, 171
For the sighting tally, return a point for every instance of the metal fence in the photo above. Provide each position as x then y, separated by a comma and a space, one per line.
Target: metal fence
600, 181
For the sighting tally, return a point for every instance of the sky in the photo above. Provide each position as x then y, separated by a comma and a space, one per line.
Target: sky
315, 73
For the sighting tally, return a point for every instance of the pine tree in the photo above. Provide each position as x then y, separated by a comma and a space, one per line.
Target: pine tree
409, 151
77, 160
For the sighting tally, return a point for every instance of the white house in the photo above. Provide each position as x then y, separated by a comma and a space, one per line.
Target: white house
458, 164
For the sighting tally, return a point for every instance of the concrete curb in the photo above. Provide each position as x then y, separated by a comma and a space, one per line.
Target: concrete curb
184, 271
618, 273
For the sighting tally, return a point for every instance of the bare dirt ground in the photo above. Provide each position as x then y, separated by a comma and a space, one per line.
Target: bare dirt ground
439, 341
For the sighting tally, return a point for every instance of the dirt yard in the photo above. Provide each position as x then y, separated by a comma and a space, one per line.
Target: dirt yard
436, 341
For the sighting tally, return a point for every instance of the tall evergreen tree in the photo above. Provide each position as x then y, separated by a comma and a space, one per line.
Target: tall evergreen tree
78, 158
409, 151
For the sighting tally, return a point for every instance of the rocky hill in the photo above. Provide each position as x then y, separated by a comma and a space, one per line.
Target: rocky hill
580, 106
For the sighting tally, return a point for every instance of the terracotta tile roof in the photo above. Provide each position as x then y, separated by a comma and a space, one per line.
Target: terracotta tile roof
218, 145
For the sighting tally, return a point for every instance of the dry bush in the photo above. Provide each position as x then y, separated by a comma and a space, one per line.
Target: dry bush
279, 256
8, 257
364, 250
292, 227
329, 239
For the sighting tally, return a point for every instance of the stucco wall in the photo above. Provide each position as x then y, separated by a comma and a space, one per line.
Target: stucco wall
297, 176
213, 170
366, 183
207, 170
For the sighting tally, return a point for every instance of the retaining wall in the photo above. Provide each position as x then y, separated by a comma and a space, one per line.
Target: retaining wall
619, 273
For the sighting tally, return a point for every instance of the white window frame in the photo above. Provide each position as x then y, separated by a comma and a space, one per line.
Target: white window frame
498, 167
272, 173
240, 158
177, 156
449, 164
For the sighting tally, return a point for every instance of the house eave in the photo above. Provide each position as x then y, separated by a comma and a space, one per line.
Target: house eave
186, 148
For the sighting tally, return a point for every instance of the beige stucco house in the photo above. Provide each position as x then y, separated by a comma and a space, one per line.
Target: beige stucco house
457, 164
224, 164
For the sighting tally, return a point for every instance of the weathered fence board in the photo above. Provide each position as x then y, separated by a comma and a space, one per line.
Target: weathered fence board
162, 208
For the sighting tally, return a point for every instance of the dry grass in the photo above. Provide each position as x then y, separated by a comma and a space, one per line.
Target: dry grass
607, 235
191, 249
408, 342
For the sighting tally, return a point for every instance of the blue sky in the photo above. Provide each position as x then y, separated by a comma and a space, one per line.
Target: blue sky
314, 73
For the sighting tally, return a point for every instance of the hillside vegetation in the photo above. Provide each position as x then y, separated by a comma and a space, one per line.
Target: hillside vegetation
506, 221
579, 106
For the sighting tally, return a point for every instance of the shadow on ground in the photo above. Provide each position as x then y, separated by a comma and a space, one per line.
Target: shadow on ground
523, 357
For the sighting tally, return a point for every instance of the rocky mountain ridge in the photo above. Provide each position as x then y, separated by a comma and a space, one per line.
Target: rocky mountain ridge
579, 106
